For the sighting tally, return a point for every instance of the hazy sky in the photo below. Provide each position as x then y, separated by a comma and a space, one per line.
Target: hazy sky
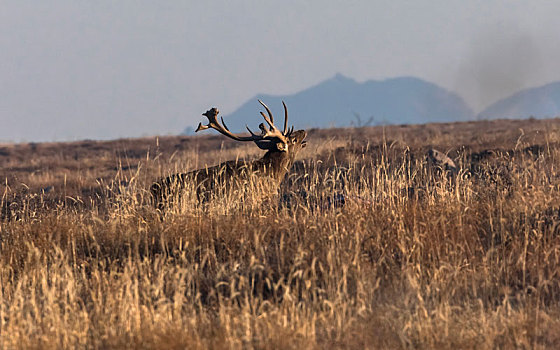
104, 69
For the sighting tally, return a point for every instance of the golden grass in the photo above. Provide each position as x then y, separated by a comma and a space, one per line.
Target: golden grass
415, 259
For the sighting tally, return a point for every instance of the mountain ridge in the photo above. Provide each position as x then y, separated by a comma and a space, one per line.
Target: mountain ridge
336, 101
341, 101
539, 102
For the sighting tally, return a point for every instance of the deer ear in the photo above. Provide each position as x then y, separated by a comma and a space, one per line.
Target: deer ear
283, 147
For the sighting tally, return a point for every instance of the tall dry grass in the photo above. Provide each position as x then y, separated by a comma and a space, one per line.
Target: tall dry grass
416, 258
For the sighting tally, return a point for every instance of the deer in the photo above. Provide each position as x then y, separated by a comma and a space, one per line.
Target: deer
281, 149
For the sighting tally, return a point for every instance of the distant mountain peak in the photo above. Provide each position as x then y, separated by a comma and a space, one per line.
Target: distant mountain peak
341, 77
538, 102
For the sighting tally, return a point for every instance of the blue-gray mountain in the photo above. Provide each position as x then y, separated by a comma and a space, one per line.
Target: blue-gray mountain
337, 101
540, 102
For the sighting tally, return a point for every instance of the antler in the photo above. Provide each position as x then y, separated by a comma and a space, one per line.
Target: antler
271, 120
273, 131
266, 140
286, 120
213, 123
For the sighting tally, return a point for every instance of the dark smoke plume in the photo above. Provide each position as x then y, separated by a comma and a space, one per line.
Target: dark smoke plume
502, 61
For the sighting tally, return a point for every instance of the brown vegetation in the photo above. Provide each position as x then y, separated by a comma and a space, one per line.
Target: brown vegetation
418, 257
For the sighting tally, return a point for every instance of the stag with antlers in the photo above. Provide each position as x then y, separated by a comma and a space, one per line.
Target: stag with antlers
281, 146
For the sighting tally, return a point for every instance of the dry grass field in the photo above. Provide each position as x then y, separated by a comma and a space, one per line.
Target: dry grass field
415, 258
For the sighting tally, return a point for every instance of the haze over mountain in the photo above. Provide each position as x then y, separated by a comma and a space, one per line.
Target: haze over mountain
337, 101
539, 102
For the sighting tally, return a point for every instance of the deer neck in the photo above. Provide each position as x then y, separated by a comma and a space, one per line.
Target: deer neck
276, 164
